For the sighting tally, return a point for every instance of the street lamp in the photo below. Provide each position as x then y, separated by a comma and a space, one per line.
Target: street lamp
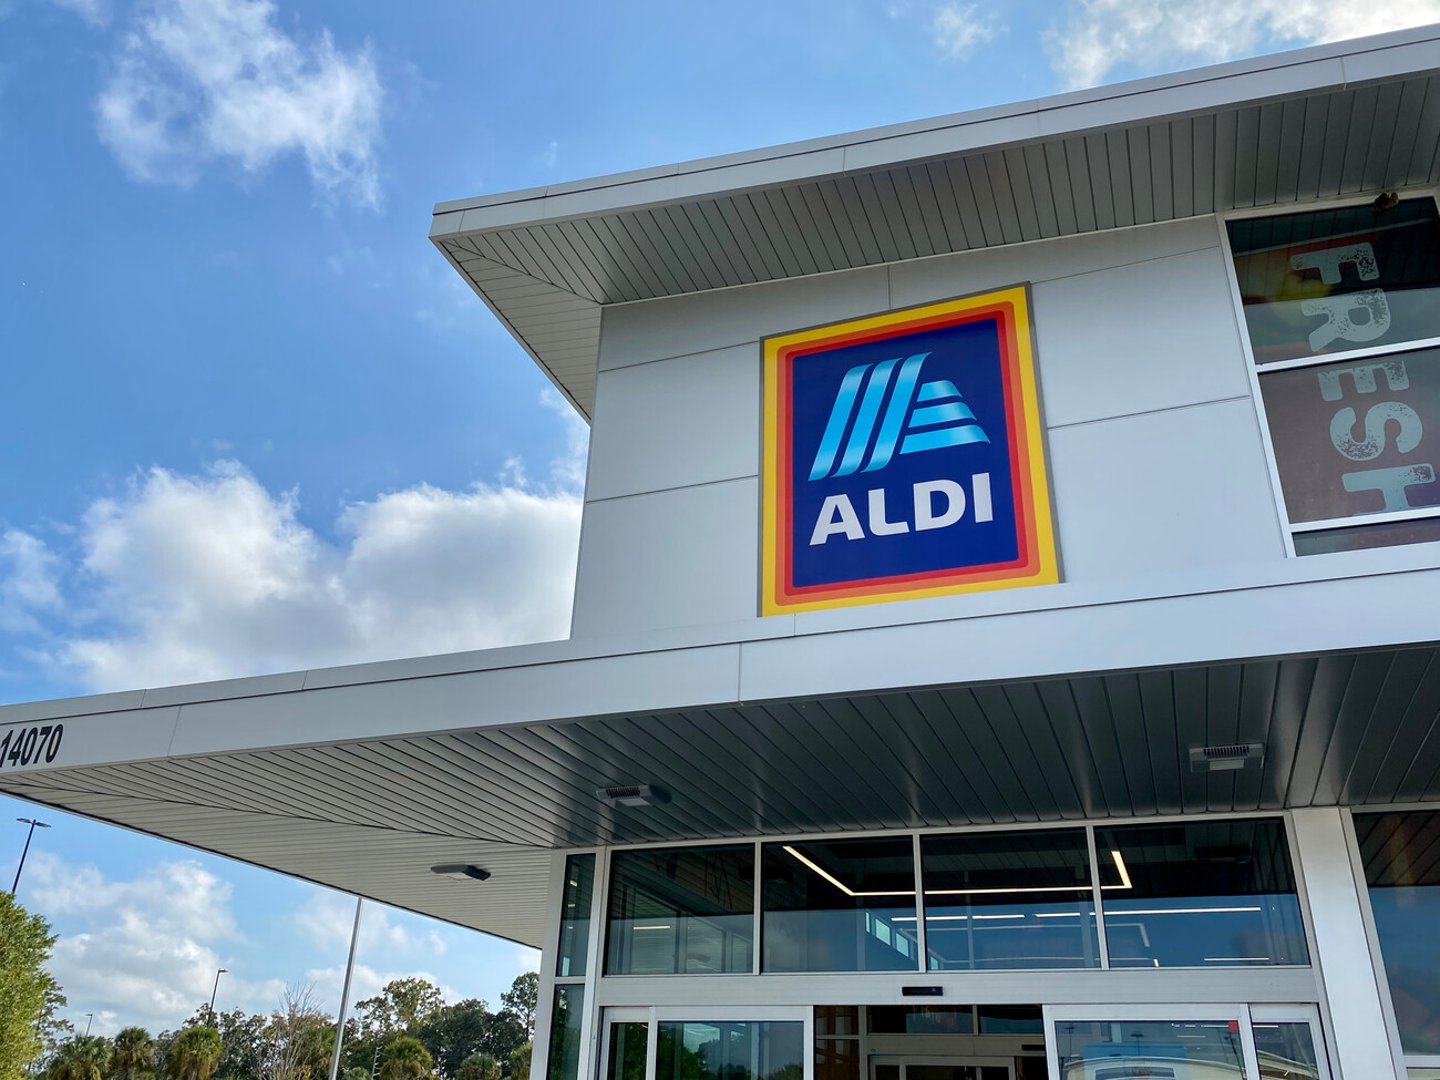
89, 1019
28, 836
215, 989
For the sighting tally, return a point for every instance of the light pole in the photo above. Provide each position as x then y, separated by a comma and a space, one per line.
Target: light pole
28, 837
89, 1019
215, 989
345, 994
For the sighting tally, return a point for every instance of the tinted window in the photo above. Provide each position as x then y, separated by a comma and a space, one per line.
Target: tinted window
1202, 894
1401, 853
1325, 281
844, 905
745, 1050
575, 915
1009, 900
1123, 1050
681, 910
564, 1060
1356, 437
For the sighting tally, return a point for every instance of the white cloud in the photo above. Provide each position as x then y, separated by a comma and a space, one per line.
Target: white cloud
957, 29
183, 578
195, 81
1101, 35
29, 581
367, 982
146, 950
327, 919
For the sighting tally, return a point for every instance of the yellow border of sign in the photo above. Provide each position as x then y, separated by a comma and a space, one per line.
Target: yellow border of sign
1037, 514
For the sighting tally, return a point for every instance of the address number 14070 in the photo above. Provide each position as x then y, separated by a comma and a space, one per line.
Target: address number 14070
29, 745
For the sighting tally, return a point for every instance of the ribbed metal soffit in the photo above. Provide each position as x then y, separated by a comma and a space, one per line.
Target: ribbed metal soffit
548, 280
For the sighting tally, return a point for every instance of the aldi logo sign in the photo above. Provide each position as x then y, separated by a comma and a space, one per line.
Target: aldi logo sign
903, 457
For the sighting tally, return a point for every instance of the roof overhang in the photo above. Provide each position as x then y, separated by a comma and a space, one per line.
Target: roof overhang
1297, 127
1073, 706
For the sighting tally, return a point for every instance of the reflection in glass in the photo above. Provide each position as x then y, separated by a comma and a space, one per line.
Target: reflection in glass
1361, 537
1009, 900
921, 1019
564, 1060
1401, 854
1350, 437
575, 915
831, 1020
1011, 1020
681, 910
1200, 894
740, 1050
627, 1051
1325, 281
837, 1059
1122, 1049
842, 905
1286, 1051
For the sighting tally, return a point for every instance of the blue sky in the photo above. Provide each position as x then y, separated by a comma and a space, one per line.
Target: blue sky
250, 420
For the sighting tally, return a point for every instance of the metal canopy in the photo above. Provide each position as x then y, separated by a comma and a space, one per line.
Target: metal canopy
1294, 128
372, 816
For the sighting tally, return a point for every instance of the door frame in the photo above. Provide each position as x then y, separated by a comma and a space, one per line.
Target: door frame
1244, 1015
903, 1060
653, 1016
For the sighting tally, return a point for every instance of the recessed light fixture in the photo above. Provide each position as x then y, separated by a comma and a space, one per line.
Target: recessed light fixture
461, 872
632, 795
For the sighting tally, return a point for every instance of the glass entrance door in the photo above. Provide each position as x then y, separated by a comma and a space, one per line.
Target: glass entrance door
938, 1068
1157, 1042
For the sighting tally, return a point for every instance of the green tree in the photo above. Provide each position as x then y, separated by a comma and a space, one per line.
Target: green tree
521, 1000
455, 1033
478, 1067
402, 1007
133, 1057
520, 1062
298, 1039
85, 1057
405, 1058
355, 1073
52, 1028
25, 943
196, 1053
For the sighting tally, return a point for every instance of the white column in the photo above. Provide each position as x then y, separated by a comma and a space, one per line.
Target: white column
1343, 960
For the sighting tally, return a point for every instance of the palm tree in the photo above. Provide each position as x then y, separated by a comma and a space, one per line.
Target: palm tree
478, 1067
85, 1057
134, 1055
405, 1058
196, 1053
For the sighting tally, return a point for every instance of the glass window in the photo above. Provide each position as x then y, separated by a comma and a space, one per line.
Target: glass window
575, 915
1286, 1051
1401, 854
1325, 281
1356, 437
1009, 900
921, 1019
837, 1059
740, 1050
681, 910
832, 1020
1124, 1049
628, 1047
1359, 537
842, 905
1011, 1020
1200, 894
564, 1060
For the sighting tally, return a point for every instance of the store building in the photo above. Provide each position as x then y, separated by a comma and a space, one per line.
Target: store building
1005, 634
